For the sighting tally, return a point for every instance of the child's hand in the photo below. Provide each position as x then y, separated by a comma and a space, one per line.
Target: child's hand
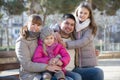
53, 61
59, 63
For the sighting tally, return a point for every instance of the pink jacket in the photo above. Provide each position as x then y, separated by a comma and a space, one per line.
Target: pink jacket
40, 57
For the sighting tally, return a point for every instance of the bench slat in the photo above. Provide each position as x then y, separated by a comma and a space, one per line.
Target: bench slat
8, 60
14, 72
7, 54
9, 66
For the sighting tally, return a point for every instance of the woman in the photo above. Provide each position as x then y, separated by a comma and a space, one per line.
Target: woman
25, 46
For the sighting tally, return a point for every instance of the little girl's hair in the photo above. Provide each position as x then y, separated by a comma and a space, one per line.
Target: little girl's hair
45, 31
34, 19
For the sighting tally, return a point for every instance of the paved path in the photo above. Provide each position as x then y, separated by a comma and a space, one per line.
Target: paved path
111, 68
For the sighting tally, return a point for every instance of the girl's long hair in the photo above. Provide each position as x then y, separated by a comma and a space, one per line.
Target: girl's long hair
92, 25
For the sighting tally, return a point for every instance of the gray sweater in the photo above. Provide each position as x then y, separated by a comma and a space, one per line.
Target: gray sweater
24, 50
85, 47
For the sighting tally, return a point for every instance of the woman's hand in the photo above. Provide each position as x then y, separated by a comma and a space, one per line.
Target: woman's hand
53, 68
97, 52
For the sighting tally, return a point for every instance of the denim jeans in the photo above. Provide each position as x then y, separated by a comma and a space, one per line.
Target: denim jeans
69, 75
91, 73
73, 75
68, 78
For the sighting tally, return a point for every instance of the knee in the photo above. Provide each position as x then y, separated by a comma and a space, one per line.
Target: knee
77, 76
47, 76
60, 75
99, 72
68, 78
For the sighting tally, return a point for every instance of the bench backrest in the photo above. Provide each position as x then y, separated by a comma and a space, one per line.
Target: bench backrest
8, 60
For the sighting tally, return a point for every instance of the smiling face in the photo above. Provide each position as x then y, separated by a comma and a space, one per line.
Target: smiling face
34, 27
83, 14
49, 40
67, 26
34, 23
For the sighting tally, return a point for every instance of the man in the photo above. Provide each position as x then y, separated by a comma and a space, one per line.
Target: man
65, 29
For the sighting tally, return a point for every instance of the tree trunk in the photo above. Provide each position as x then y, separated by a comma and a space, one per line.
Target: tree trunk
7, 36
90, 1
44, 18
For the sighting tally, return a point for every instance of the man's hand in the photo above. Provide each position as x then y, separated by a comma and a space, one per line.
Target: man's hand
58, 37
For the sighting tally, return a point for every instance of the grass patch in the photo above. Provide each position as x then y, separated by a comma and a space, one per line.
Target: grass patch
4, 48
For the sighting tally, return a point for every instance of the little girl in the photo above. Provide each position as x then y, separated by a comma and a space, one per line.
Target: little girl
49, 51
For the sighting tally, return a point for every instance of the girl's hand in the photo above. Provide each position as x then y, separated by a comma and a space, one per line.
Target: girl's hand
59, 63
53, 61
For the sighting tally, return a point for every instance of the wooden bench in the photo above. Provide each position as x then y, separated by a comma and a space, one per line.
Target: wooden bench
9, 66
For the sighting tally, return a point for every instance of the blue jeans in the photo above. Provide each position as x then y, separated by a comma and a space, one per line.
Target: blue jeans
91, 73
73, 75
68, 78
